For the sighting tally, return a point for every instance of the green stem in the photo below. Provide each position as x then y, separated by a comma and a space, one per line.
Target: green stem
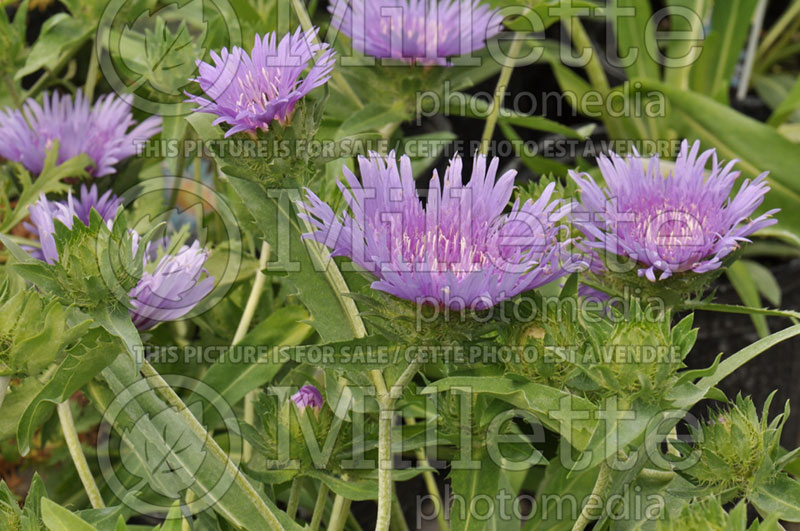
5, 381
778, 29
599, 490
341, 508
594, 69
12, 90
399, 522
172, 399
294, 498
74, 446
319, 506
339, 82
91, 76
658, 475
430, 483
241, 331
500, 92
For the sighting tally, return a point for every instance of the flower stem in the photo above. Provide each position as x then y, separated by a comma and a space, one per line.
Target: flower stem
241, 331
319, 506
600, 486
341, 508
430, 484
5, 381
91, 76
500, 92
399, 523
294, 498
74, 445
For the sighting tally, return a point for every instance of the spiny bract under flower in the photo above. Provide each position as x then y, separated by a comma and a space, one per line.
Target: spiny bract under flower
427, 32
460, 251
248, 92
308, 396
100, 131
682, 222
45, 212
168, 293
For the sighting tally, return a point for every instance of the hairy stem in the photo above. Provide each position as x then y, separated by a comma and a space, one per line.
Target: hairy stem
5, 381
241, 331
599, 490
74, 446
91, 76
319, 506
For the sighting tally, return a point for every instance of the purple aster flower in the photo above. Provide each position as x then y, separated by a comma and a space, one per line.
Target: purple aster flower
417, 31
685, 221
249, 91
100, 131
460, 250
44, 213
173, 288
308, 396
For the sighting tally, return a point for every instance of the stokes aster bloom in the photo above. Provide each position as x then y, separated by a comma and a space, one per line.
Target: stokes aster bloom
685, 221
249, 91
422, 31
172, 289
459, 251
308, 396
100, 131
168, 293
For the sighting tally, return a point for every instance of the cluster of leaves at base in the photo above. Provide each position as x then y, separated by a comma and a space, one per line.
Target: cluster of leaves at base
282, 155
736, 449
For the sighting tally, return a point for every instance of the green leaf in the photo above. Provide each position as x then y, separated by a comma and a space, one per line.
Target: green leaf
373, 117
765, 281
232, 379
546, 403
358, 490
779, 496
61, 34
745, 286
471, 485
312, 274
56, 518
636, 35
238, 501
83, 362
722, 48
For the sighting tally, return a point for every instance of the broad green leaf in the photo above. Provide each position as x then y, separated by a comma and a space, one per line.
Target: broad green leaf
472, 484
83, 361
546, 403
765, 281
745, 286
57, 518
722, 48
236, 499
358, 490
550, 494
232, 379
373, 117
779, 496
60, 35
788, 107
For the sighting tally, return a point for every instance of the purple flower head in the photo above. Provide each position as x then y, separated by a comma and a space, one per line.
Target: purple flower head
102, 131
685, 221
416, 31
44, 213
248, 92
173, 288
308, 396
460, 250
